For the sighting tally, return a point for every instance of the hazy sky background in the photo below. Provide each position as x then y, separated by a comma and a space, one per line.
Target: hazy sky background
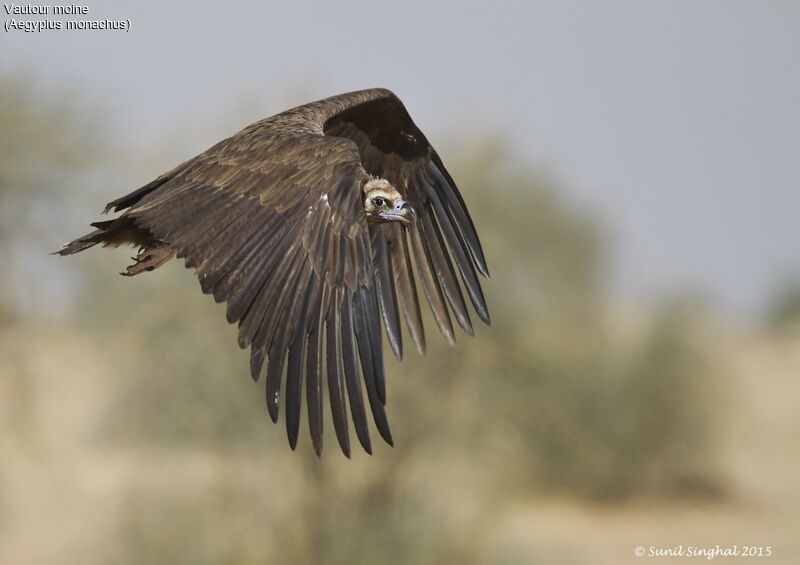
678, 121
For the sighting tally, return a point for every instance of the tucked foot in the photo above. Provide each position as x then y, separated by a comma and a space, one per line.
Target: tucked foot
148, 259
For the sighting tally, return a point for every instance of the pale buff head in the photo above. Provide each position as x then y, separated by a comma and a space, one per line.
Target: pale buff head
383, 203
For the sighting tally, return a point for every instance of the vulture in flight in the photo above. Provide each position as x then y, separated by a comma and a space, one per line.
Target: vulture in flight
310, 225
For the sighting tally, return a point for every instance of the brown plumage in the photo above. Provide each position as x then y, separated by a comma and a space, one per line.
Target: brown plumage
310, 225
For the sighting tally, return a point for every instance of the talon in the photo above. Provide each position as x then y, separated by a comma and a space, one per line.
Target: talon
149, 259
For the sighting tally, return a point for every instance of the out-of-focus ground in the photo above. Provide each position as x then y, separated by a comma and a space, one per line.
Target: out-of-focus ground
67, 498
575, 429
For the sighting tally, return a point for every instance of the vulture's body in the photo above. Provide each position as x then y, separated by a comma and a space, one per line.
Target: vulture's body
310, 225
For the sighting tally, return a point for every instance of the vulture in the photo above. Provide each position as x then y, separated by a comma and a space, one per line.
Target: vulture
316, 226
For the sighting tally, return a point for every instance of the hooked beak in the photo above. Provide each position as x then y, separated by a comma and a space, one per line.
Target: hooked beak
402, 212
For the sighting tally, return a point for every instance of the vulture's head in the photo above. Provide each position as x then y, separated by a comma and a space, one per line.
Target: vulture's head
382, 203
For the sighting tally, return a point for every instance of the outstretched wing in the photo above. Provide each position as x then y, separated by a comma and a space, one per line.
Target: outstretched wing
443, 241
272, 221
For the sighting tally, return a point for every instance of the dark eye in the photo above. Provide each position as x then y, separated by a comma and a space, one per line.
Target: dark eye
379, 202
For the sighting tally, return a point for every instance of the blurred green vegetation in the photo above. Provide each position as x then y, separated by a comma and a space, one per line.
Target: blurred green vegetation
557, 398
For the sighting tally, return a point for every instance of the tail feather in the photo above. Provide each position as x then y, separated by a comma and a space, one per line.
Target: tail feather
102, 225
83, 243
124, 231
130, 199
